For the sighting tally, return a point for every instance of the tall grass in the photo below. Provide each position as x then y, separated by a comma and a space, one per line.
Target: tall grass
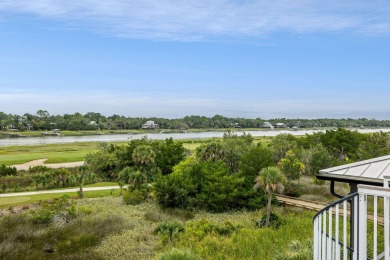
107, 229
21, 238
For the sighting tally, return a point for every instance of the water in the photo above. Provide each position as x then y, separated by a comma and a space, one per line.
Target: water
153, 136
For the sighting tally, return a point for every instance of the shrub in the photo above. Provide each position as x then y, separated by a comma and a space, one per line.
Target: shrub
173, 191
293, 190
275, 220
38, 168
202, 228
169, 230
179, 254
60, 209
133, 197
7, 170
297, 250
180, 213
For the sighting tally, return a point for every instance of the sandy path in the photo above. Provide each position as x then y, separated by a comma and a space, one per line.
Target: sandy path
27, 165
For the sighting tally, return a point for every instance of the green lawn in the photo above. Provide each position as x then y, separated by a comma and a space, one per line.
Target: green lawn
56, 153
7, 202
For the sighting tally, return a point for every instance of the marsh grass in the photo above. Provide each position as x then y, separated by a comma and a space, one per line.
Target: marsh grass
107, 229
320, 192
21, 238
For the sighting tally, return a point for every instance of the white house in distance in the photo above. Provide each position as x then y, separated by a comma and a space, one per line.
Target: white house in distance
149, 125
280, 125
267, 125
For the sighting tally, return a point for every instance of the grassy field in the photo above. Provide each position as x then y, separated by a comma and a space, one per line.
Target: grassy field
8, 202
106, 229
61, 153
56, 153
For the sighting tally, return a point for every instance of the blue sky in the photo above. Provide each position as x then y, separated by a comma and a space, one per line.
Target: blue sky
169, 58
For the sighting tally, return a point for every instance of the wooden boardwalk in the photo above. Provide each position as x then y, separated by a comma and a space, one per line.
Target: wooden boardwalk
313, 205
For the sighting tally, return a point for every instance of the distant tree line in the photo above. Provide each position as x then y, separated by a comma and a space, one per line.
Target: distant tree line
43, 120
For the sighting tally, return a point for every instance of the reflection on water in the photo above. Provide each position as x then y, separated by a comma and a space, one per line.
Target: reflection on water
154, 136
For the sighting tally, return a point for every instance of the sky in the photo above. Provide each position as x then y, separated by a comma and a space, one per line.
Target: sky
172, 58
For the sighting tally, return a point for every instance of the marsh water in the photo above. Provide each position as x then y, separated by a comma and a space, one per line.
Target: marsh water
153, 136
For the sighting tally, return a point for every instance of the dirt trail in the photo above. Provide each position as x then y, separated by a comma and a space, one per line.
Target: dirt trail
39, 162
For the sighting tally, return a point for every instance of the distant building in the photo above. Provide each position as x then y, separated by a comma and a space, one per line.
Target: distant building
295, 128
149, 125
267, 125
280, 125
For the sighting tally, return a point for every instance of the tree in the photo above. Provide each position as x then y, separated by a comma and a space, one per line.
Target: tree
271, 180
103, 162
212, 151
343, 144
143, 156
316, 158
280, 144
291, 166
377, 144
80, 182
168, 154
253, 161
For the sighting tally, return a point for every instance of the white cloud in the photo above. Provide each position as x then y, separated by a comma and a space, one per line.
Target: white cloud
195, 20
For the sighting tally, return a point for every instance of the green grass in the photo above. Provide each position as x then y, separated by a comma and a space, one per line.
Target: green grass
101, 184
73, 152
137, 240
6, 202
55, 153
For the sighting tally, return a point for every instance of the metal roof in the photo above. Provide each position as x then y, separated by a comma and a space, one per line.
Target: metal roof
366, 172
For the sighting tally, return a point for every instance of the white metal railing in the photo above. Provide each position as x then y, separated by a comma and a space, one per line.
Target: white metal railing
355, 227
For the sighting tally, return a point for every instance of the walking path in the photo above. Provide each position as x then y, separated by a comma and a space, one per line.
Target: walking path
41, 162
307, 204
27, 193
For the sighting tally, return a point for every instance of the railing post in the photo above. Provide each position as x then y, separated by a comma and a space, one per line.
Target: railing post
352, 221
316, 239
386, 226
354, 228
362, 228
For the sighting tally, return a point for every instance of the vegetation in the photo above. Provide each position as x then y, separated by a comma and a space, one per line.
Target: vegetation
53, 152
92, 122
198, 204
271, 180
105, 228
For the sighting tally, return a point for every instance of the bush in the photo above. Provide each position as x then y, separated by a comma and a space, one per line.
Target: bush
133, 197
7, 170
173, 191
21, 182
38, 168
293, 190
177, 254
169, 230
60, 209
275, 221
203, 227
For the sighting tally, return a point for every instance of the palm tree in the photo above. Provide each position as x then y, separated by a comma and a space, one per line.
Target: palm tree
271, 180
144, 156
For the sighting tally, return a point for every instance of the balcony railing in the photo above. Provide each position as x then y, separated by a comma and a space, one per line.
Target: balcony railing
355, 227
